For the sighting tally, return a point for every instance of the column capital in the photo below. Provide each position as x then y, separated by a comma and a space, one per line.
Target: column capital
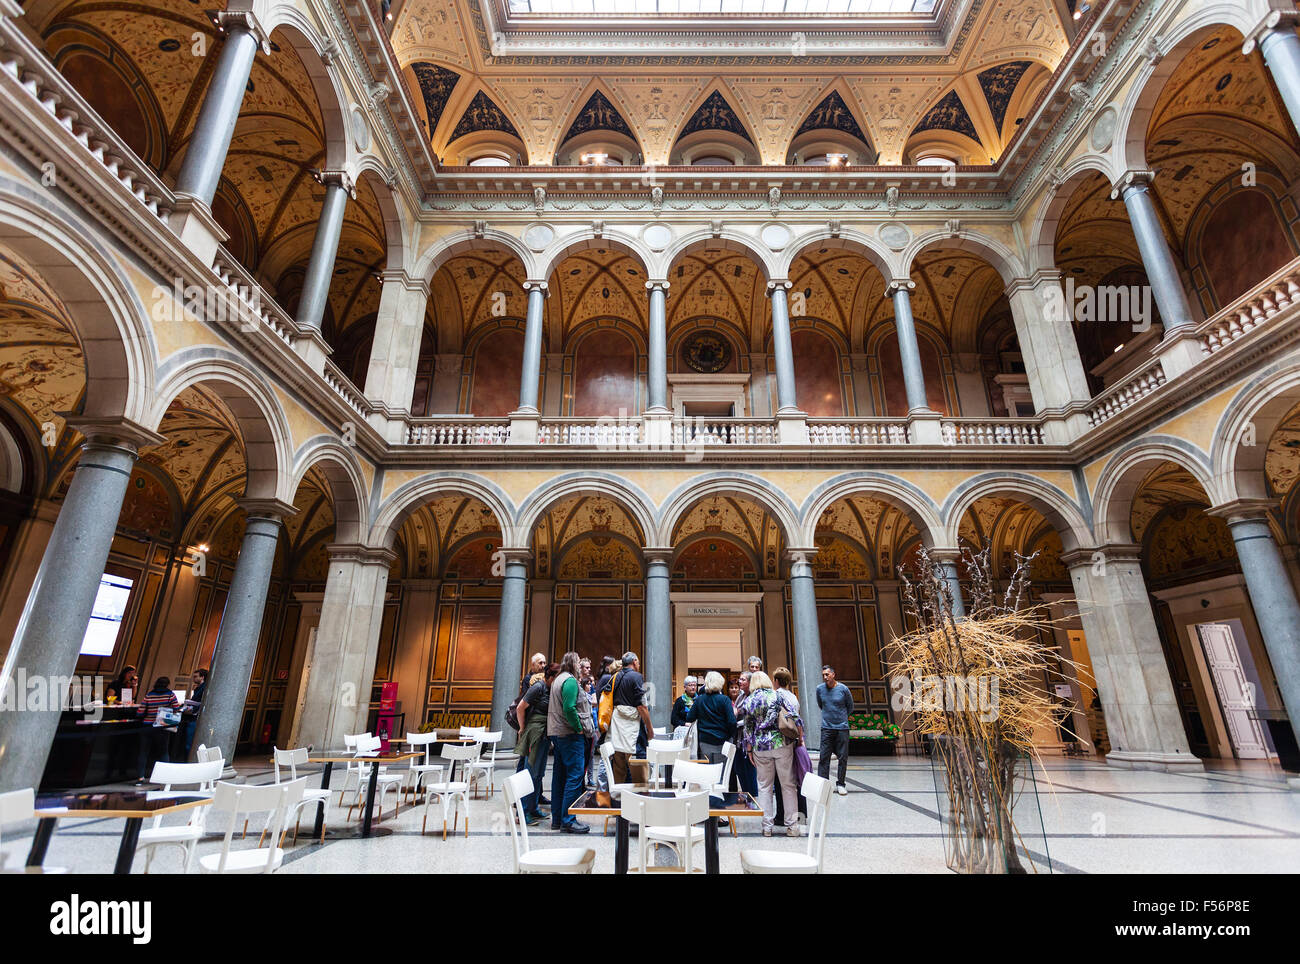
340, 179
1032, 282
1103, 554
247, 20
944, 555
365, 555
798, 556
781, 283
113, 430
660, 284
899, 284
400, 276
658, 555
1273, 21
516, 554
1245, 510
1134, 178
267, 508
534, 284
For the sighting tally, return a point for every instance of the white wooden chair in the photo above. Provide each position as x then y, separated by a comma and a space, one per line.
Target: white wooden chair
817, 791
19, 806
368, 746
555, 860
664, 753
202, 777
687, 775
320, 798
682, 813
449, 791
729, 753
244, 800
481, 767
417, 770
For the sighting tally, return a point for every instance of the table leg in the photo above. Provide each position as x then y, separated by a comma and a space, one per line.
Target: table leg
320, 811
41, 842
711, 847
621, 836
126, 850
370, 799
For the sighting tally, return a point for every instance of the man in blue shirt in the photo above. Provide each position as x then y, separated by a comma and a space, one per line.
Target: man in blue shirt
836, 704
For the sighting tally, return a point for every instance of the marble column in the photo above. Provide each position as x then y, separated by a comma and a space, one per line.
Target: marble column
908, 349
782, 348
205, 157
658, 663
657, 348
324, 250
510, 639
48, 639
807, 640
241, 628
537, 293
395, 351
342, 663
1045, 331
947, 559
1128, 661
1157, 260
1272, 595
1281, 49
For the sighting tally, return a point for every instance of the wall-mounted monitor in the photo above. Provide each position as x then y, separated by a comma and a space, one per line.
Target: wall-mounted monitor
106, 617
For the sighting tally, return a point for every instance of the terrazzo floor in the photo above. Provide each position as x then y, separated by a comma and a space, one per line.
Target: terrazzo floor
1234, 817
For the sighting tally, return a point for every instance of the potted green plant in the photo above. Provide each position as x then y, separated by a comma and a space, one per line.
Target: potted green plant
871, 734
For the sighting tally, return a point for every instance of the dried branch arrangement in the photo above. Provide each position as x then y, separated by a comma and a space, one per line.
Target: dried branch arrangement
978, 685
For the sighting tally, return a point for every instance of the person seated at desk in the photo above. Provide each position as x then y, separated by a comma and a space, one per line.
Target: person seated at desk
126, 681
154, 739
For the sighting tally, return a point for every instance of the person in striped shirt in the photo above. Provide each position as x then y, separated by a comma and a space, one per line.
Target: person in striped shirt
155, 740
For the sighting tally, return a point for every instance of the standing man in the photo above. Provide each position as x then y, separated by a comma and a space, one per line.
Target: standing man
535, 665
630, 723
836, 704
567, 734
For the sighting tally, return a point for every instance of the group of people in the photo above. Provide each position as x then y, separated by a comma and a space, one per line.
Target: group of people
156, 741
565, 709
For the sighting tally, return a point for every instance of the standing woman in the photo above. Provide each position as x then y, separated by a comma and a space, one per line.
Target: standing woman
714, 718
154, 739
587, 687
783, 679
742, 771
771, 752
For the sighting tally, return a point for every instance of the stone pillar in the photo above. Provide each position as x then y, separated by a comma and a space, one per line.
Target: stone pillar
1057, 381
342, 665
948, 559
908, 349
1157, 260
24, 562
200, 173
1281, 49
241, 628
395, 352
1137, 695
523, 421
659, 634
657, 348
510, 639
324, 249
807, 640
53, 624
782, 348
1272, 594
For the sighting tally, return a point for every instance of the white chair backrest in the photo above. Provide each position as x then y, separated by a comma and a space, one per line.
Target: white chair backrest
291, 759
274, 798
469, 751
368, 743
473, 731
728, 751
817, 791
204, 754
677, 811
688, 773
17, 805
517, 786
202, 776
661, 753
661, 731
426, 740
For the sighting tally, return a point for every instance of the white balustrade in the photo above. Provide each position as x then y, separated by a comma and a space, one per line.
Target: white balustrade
1127, 393
459, 432
857, 432
961, 431
1251, 310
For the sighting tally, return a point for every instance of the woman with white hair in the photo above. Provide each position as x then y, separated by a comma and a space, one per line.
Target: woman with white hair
771, 751
714, 717
682, 704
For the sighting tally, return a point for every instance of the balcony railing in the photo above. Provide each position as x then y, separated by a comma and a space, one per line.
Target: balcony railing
463, 431
602, 433
724, 431
1127, 393
857, 431
1001, 431
1251, 310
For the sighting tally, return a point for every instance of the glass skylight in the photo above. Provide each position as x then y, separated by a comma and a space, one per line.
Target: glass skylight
769, 8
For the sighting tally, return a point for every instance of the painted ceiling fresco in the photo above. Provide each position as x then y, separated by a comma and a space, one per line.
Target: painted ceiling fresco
435, 533
874, 531
833, 114
598, 114
999, 84
949, 114
715, 114
579, 536
742, 520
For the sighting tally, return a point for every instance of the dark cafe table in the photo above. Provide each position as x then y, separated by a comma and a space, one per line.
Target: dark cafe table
331, 757
599, 803
132, 806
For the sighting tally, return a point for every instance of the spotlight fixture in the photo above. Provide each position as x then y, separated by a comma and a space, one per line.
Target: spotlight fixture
837, 160
594, 158
1081, 9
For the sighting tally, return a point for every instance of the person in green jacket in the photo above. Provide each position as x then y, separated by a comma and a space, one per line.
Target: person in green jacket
564, 727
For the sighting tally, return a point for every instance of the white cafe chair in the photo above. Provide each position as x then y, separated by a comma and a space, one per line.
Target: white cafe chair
319, 798
244, 800
729, 761
607, 754
417, 770
202, 777
687, 775
19, 806
449, 791
682, 813
817, 791
664, 753
486, 768
368, 746
554, 860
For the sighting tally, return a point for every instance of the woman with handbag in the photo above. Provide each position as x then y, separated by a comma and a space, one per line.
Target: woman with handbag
772, 727
783, 679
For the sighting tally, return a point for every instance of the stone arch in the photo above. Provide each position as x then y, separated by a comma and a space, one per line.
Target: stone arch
449, 247
588, 240
1129, 151
263, 427
341, 467
848, 239
1253, 415
1058, 508
393, 213
1003, 259
1125, 472
1042, 236
751, 487
631, 498
890, 489
110, 321
410, 496
310, 45
725, 240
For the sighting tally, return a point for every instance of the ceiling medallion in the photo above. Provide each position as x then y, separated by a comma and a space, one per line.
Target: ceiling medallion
706, 352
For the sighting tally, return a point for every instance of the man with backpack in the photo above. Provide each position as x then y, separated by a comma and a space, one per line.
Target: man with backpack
630, 724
